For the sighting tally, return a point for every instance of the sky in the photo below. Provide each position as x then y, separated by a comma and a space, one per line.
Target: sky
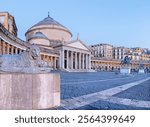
117, 22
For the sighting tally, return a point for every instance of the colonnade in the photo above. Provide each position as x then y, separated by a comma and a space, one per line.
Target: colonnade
51, 61
6, 48
105, 65
75, 60
112, 66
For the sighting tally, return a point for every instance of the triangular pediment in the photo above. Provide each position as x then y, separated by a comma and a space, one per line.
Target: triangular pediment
78, 44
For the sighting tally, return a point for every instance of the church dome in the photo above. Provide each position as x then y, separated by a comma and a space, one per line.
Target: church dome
38, 35
39, 39
52, 29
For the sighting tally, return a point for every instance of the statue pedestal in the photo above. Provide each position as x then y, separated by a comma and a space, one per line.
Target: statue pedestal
141, 71
29, 91
125, 70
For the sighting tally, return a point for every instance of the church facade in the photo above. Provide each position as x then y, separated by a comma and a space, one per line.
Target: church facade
58, 51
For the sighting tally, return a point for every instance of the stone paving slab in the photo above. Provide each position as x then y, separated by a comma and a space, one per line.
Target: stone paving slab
104, 105
140, 92
103, 90
106, 95
75, 89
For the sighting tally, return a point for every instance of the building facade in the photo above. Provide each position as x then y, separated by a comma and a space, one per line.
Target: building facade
9, 43
102, 50
105, 57
58, 51
119, 52
8, 22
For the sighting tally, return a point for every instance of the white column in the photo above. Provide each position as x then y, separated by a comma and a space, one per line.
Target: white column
79, 60
16, 50
49, 57
62, 59
12, 50
90, 61
54, 62
87, 62
83, 61
3, 47
0, 46
71, 60
50, 63
67, 59
76, 60
7, 48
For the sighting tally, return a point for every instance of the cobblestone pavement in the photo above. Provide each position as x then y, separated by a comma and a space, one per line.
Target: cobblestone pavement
140, 92
104, 90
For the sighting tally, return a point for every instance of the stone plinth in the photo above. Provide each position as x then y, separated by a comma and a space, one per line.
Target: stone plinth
29, 91
125, 70
141, 71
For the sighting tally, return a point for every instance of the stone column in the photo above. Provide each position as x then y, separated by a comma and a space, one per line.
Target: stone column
67, 59
79, 61
0, 46
3, 47
16, 50
76, 62
89, 61
12, 50
71, 60
46, 58
7, 46
83, 61
86, 61
54, 62
62, 59
50, 61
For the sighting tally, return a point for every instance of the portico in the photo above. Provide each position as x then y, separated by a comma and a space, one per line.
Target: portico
75, 58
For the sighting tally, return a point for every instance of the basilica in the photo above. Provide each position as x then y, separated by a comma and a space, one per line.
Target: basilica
60, 52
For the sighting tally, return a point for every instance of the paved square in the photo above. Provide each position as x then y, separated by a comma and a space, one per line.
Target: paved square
105, 90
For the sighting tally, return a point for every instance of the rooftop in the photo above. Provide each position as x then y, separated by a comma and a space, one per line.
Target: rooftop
48, 21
